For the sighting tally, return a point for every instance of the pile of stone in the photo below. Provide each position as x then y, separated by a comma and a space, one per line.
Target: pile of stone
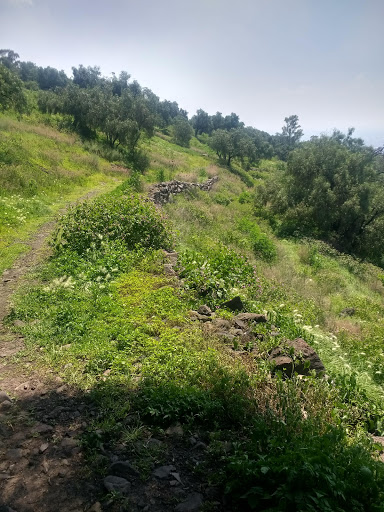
163, 192
288, 356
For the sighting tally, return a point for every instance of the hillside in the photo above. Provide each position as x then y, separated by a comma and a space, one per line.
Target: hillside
118, 376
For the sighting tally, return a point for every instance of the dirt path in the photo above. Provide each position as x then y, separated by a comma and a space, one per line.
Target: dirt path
40, 419
42, 422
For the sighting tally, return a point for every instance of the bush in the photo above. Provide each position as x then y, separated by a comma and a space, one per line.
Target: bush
130, 219
214, 274
262, 246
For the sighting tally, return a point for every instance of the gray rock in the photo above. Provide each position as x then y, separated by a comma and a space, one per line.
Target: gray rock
235, 304
204, 310
193, 503
96, 507
43, 447
5, 406
116, 483
42, 428
124, 469
175, 430
221, 323
4, 397
163, 472
251, 317
348, 312
168, 270
14, 454
302, 361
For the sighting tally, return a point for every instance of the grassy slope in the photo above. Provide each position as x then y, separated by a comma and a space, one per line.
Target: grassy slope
41, 171
113, 323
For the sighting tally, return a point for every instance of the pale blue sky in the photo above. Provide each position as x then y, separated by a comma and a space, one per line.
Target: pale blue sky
263, 59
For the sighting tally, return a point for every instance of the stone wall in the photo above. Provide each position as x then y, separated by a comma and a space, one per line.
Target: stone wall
162, 192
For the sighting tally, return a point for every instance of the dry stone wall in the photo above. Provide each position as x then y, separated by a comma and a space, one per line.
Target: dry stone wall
162, 192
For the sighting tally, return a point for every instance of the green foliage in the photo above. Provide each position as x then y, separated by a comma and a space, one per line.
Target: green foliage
182, 131
262, 245
289, 138
330, 190
11, 91
129, 219
214, 274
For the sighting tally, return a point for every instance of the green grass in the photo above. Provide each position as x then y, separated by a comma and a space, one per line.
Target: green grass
112, 323
41, 171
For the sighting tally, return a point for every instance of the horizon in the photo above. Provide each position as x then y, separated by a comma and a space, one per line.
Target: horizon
262, 60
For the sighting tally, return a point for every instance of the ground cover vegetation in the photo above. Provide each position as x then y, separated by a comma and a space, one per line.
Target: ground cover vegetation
111, 321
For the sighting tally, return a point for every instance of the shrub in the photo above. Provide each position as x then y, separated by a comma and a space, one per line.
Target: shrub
262, 246
214, 274
132, 220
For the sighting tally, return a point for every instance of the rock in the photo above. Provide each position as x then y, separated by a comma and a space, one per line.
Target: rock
124, 469
194, 315
221, 323
193, 503
5, 406
235, 304
4, 508
199, 446
239, 324
204, 310
250, 317
154, 443
163, 472
168, 270
96, 507
42, 428
117, 484
303, 355
175, 430
348, 312
4, 397
69, 445
14, 454
43, 447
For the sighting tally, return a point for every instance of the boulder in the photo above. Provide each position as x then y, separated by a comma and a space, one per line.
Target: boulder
303, 359
204, 310
235, 304
250, 317
348, 312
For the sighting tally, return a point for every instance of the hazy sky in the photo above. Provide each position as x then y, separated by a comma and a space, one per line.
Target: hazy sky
263, 59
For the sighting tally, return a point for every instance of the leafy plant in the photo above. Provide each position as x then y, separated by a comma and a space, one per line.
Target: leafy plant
129, 219
215, 273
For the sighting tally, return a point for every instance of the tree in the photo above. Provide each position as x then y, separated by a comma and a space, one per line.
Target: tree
86, 77
201, 122
11, 91
232, 144
50, 78
182, 131
289, 138
9, 59
218, 121
332, 192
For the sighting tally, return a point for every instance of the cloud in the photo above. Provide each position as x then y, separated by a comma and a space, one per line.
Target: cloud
20, 2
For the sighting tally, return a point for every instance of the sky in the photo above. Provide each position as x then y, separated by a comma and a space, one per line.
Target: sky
265, 60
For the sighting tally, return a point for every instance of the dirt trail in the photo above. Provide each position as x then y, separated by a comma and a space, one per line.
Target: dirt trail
40, 419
